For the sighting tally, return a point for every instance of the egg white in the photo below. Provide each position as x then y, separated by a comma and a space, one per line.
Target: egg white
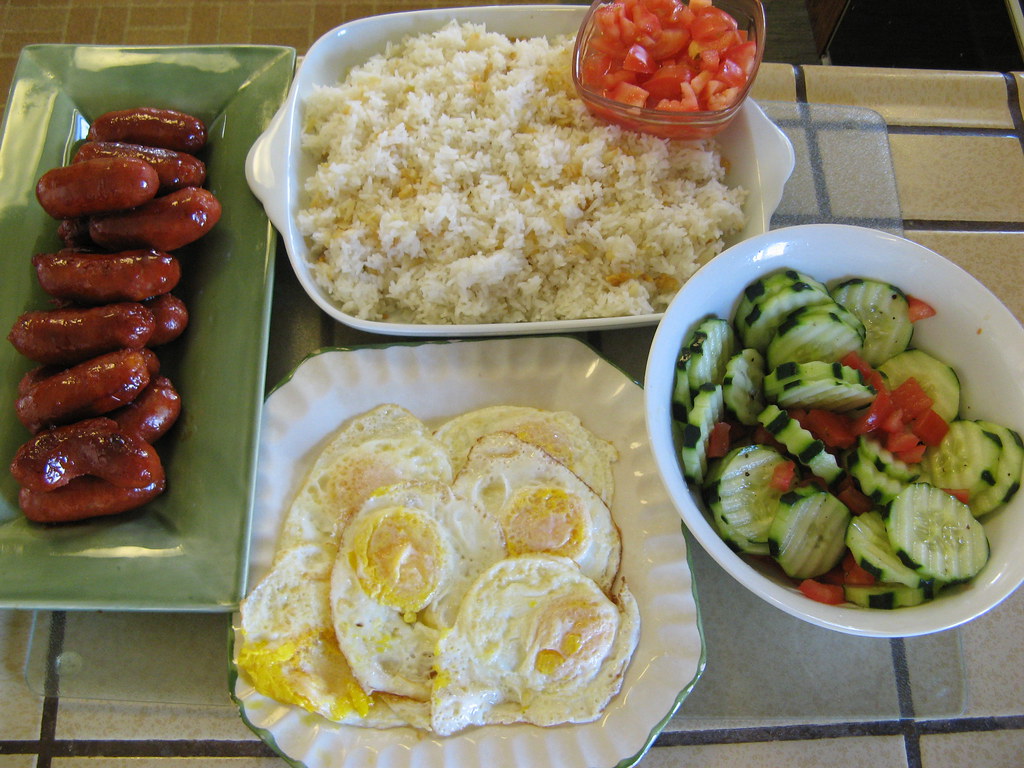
559, 433
535, 641
541, 505
403, 565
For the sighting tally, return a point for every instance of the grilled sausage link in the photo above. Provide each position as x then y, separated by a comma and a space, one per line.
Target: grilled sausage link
152, 127
84, 498
102, 278
175, 169
72, 334
152, 413
90, 388
100, 185
96, 447
166, 223
170, 316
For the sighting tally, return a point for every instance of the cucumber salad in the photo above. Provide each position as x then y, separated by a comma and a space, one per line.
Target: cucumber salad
822, 439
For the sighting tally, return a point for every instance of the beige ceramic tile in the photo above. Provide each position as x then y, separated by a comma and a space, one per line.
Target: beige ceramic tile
995, 258
959, 178
995, 749
20, 709
179, 762
875, 750
94, 719
915, 97
774, 82
17, 761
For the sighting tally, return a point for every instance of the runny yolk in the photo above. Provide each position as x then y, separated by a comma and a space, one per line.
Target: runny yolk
399, 558
549, 520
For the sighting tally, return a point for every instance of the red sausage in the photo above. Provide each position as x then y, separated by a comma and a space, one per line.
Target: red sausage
72, 334
152, 127
175, 169
166, 223
74, 233
91, 388
152, 413
101, 278
170, 318
95, 447
100, 185
83, 498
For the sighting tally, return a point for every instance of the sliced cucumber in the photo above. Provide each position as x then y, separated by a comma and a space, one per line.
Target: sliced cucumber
1007, 474
808, 450
937, 379
743, 385
886, 596
868, 540
702, 361
817, 384
817, 332
884, 310
967, 459
766, 302
936, 534
878, 474
708, 409
741, 498
808, 535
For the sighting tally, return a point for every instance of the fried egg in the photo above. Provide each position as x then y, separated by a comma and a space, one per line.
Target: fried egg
404, 563
541, 505
535, 641
560, 433
381, 447
289, 651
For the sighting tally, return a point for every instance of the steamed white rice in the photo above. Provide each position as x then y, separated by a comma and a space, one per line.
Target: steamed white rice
460, 180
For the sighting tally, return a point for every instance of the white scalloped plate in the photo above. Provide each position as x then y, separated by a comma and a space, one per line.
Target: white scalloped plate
436, 381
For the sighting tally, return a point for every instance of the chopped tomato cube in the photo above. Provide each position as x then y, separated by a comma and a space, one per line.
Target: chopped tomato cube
912, 455
870, 375
878, 412
855, 574
960, 494
718, 440
723, 98
709, 60
911, 398
744, 55
833, 429
711, 23
856, 501
731, 73
919, 309
783, 476
930, 427
664, 84
639, 60
628, 93
900, 442
831, 594
669, 43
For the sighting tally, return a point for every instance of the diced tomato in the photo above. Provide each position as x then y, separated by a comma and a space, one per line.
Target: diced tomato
879, 410
628, 93
831, 594
833, 429
871, 376
912, 455
731, 73
836, 576
669, 43
960, 494
664, 84
911, 398
855, 574
718, 440
639, 60
893, 422
646, 20
856, 501
783, 476
744, 55
901, 442
711, 23
930, 427
709, 60
919, 309
723, 98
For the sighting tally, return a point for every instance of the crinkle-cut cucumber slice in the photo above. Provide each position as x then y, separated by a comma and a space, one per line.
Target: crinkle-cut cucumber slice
808, 450
868, 541
936, 534
967, 459
817, 384
741, 498
767, 301
1007, 474
702, 360
886, 596
884, 310
817, 332
808, 535
937, 379
708, 409
743, 385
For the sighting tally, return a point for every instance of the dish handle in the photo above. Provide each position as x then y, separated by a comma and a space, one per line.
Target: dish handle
266, 170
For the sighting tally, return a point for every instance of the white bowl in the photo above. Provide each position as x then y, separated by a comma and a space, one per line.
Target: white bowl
972, 331
760, 156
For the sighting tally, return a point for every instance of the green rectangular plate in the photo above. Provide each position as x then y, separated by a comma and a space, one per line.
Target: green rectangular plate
188, 549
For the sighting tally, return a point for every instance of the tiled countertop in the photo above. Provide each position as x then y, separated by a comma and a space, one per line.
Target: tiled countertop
956, 142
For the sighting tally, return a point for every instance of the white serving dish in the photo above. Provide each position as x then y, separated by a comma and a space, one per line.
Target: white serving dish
972, 331
437, 381
760, 156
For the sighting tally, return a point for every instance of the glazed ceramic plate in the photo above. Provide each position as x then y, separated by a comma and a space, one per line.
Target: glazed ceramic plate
437, 381
760, 156
186, 550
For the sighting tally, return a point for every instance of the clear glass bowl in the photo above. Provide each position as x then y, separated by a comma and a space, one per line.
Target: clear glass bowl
750, 16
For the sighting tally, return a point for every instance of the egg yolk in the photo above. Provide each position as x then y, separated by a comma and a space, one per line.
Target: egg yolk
549, 520
573, 636
399, 558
